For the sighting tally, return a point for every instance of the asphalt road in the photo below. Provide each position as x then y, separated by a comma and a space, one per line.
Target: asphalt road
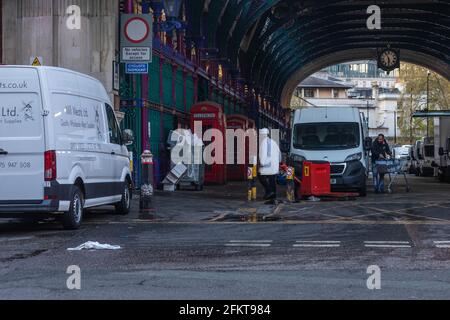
314, 251
227, 261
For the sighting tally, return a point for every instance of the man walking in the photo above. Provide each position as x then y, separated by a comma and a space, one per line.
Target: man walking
269, 159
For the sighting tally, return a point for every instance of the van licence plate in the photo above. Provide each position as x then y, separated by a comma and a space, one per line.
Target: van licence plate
333, 181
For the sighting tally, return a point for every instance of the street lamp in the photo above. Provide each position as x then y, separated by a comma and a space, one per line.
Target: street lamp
172, 11
172, 8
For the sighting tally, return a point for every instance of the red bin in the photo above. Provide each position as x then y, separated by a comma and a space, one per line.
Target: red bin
316, 179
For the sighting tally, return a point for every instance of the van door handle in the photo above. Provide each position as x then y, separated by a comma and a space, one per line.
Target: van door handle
3, 152
113, 153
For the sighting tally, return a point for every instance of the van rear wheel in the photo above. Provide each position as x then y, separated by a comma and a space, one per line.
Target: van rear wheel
72, 219
124, 206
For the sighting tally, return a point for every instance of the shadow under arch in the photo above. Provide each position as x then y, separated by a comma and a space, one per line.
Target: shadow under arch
439, 66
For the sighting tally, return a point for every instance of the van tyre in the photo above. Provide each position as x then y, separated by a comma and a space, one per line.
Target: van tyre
72, 219
124, 206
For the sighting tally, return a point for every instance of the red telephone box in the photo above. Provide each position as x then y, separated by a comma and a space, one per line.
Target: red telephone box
235, 171
211, 115
251, 124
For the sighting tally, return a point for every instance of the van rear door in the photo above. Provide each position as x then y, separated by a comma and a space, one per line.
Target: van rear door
22, 143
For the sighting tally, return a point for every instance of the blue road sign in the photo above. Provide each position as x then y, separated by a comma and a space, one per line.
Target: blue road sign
136, 68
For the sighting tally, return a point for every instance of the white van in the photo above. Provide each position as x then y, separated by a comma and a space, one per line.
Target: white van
337, 135
61, 149
426, 163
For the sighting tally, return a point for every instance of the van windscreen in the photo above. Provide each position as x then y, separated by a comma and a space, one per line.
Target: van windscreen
327, 136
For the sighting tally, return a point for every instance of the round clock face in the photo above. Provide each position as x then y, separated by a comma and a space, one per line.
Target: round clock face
388, 59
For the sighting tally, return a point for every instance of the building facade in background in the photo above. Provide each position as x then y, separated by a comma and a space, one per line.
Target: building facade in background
39, 29
355, 84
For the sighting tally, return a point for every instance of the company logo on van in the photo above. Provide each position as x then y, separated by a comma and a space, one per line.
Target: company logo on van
28, 112
15, 115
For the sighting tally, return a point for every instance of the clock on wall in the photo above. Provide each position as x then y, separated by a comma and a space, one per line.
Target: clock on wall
388, 59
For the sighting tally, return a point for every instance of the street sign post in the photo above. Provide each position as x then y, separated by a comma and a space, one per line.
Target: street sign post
136, 36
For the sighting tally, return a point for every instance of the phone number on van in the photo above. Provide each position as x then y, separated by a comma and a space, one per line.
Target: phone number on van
21, 165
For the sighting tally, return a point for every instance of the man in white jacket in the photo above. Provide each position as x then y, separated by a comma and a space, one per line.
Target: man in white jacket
269, 160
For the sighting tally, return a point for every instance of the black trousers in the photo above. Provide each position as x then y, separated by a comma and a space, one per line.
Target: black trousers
269, 183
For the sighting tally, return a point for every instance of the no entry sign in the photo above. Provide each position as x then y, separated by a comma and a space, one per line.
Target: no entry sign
136, 38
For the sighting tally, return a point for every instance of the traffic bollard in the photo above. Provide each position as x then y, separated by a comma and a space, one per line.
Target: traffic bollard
290, 193
249, 183
251, 187
145, 202
255, 176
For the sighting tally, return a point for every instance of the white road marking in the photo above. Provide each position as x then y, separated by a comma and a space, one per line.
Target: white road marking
386, 242
249, 243
17, 239
316, 244
442, 244
311, 241
387, 246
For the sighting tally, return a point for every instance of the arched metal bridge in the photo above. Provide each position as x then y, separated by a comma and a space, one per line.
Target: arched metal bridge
274, 44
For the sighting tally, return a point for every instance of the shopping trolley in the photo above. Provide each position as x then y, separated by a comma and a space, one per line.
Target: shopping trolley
394, 168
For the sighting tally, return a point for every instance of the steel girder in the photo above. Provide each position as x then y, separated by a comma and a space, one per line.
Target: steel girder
269, 49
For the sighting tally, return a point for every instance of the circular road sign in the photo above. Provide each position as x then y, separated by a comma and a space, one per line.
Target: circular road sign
136, 30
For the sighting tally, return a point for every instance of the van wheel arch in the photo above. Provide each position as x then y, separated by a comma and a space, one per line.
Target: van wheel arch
124, 206
80, 184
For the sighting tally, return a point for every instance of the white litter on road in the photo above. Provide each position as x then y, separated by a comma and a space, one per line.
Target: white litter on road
91, 245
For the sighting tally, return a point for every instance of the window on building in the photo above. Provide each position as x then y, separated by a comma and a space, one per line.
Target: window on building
335, 94
309, 93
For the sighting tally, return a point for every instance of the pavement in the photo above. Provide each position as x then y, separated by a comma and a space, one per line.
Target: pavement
215, 245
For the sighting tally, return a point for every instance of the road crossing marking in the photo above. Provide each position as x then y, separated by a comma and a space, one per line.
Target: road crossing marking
442, 244
316, 244
387, 244
249, 243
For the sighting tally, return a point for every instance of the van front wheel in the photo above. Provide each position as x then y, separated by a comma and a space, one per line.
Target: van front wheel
124, 206
72, 219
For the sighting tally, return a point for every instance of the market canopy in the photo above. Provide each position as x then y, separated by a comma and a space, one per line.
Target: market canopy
275, 44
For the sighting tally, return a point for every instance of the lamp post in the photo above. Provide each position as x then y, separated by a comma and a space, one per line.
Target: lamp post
395, 127
172, 8
172, 12
428, 93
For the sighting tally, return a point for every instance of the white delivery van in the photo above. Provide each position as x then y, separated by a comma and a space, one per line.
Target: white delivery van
426, 163
416, 157
442, 139
61, 149
338, 135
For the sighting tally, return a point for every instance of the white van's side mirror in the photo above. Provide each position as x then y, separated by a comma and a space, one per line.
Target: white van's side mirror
128, 137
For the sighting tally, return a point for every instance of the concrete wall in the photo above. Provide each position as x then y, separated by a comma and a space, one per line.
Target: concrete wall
39, 28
